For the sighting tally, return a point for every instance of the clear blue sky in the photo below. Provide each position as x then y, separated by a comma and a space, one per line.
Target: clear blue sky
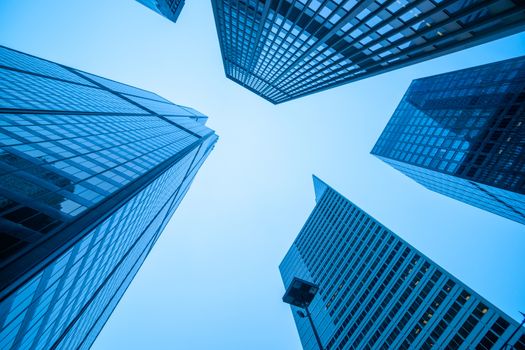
211, 281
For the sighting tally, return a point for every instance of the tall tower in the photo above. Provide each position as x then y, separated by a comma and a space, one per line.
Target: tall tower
377, 292
462, 134
285, 49
91, 170
168, 8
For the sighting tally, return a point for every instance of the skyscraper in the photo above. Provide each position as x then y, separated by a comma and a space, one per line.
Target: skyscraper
462, 134
168, 8
285, 49
91, 170
377, 292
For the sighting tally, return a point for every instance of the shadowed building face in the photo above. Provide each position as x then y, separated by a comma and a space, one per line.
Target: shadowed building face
285, 49
462, 134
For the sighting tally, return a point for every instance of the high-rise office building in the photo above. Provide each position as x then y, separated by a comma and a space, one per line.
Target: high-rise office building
284, 49
377, 292
462, 134
168, 8
91, 170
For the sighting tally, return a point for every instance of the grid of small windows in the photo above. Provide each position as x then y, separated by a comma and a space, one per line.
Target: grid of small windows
376, 291
76, 149
42, 310
376, 306
424, 141
86, 323
13, 59
454, 312
31, 92
430, 312
284, 49
412, 301
467, 124
168, 8
55, 165
92, 321
468, 326
493, 334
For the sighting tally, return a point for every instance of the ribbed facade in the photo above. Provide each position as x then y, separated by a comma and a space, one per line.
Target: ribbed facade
462, 134
377, 292
91, 171
285, 49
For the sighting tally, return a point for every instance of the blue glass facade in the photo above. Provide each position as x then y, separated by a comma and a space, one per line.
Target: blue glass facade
462, 134
285, 49
91, 171
168, 8
377, 292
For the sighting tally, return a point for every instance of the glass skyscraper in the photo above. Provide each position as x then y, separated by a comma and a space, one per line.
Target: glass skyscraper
377, 292
285, 49
168, 8
462, 134
91, 170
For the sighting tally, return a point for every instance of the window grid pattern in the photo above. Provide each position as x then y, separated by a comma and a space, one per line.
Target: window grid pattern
54, 167
467, 125
378, 292
14, 60
94, 143
24, 91
284, 49
71, 285
168, 8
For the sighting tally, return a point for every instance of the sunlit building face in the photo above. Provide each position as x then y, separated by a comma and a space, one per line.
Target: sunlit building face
91, 170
